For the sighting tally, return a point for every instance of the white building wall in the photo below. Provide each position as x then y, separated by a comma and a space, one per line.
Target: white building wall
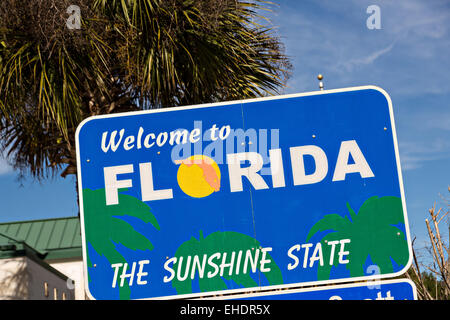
23, 278
74, 270
57, 287
13, 279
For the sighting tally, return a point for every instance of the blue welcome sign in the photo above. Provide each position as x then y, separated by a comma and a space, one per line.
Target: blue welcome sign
266, 193
401, 289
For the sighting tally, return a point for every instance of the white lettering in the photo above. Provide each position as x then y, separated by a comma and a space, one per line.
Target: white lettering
236, 172
114, 145
343, 168
147, 188
343, 253
166, 267
276, 167
293, 257
141, 274
298, 165
112, 184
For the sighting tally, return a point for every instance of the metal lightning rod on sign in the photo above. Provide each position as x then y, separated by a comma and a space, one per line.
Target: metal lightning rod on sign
320, 77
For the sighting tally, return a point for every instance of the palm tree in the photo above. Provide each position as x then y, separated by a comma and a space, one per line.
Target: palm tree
227, 242
128, 55
103, 239
372, 232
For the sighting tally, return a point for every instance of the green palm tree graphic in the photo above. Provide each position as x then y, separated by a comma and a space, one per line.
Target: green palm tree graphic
372, 233
104, 227
223, 242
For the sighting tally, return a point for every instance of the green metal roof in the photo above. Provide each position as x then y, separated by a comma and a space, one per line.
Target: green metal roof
57, 238
12, 248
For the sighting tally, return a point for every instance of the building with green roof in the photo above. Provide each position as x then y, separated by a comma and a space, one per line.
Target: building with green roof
45, 255
56, 238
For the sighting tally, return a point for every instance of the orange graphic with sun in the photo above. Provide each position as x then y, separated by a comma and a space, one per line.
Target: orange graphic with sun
198, 176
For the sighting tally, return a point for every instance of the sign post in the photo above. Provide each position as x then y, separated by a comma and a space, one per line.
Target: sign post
267, 193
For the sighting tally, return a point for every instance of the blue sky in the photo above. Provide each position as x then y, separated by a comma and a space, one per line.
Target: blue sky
409, 57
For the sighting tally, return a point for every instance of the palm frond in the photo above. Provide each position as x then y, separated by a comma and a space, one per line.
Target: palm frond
329, 222
128, 55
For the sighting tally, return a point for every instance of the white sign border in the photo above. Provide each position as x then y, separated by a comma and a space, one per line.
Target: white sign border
314, 289
279, 97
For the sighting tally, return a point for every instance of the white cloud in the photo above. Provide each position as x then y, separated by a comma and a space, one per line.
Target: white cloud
414, 155
329, 37
437, 121
369, 59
